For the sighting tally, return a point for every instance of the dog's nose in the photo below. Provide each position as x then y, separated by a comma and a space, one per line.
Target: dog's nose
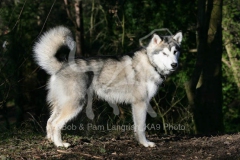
174, 65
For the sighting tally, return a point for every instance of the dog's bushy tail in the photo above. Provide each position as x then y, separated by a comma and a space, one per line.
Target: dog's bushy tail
48, 44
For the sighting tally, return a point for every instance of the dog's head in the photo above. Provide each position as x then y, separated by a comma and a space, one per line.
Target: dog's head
163, 52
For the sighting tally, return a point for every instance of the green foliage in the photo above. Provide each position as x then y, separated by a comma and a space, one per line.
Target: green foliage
231, 65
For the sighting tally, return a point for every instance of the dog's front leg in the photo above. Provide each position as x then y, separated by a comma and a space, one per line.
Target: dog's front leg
139, 111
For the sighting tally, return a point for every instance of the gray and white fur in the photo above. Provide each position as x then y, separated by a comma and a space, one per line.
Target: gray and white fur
124, 79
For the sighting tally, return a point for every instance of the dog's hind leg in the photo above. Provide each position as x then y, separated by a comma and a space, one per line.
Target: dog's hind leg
89, 110
66, 113
139, 111
115, 108
54, 114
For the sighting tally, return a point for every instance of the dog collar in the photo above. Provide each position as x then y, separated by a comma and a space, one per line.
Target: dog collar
164, 77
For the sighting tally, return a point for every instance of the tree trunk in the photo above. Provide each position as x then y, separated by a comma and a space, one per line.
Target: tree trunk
78, 23
204, 90
92, 22
79, 27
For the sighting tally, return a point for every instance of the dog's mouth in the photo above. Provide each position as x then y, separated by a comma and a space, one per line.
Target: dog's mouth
173, 70
169, 71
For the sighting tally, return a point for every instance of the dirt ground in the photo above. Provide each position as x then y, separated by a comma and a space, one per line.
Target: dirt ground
28, 145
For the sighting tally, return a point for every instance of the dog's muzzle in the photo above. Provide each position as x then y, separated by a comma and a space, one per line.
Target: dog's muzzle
174, 65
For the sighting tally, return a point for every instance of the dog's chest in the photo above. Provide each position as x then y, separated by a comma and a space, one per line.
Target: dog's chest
152, 86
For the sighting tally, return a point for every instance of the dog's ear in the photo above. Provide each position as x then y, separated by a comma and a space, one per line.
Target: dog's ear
155, 39
178, 37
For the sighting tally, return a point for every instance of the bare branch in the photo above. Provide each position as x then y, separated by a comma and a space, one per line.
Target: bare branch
226, 62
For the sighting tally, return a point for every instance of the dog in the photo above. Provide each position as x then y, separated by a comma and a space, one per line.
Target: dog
132, 79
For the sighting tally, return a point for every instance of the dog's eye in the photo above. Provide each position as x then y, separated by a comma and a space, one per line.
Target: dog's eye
164, 53
174, 52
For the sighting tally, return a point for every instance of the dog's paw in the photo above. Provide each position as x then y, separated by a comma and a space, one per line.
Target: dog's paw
66, 145
149, 144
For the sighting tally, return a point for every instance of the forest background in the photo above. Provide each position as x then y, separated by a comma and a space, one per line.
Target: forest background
203, 96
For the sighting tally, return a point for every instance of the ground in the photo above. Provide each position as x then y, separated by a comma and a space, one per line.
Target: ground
26, 144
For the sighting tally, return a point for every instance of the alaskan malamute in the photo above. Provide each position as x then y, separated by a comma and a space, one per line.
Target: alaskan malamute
132, 79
